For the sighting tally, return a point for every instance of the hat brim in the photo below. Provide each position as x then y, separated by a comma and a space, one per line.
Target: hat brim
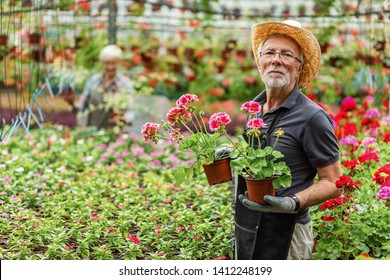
305, 39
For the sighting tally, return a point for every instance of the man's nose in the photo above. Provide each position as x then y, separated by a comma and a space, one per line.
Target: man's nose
277, 56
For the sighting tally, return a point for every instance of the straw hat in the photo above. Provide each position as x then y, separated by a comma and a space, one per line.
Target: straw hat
305, 39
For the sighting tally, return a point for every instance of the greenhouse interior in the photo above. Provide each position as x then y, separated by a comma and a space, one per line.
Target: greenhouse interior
116, 170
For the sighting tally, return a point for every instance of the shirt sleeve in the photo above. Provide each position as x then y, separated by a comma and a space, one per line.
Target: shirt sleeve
319, 140
83, 103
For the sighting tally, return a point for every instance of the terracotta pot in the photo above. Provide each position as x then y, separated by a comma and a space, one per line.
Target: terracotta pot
257, 189
34, 38
172, 51
174, 67
189, 53
39, 54
156, 8
3, 39
218, 172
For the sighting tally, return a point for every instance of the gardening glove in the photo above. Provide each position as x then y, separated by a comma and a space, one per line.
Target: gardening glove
120, 118
276, 204
223, 151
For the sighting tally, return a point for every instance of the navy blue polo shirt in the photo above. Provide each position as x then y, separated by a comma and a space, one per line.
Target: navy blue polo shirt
308, 142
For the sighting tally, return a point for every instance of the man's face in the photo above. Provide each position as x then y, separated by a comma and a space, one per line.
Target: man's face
111, 66
277, 71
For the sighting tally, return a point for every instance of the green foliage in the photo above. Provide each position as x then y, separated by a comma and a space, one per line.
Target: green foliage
260, 164
88, 55
361, 233
325, 35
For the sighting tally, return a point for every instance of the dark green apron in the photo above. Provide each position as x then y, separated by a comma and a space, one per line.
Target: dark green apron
261, 236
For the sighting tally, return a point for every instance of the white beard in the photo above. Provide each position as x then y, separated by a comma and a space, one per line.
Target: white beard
276, 82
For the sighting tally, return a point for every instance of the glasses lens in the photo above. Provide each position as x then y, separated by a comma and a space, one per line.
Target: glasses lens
283, 56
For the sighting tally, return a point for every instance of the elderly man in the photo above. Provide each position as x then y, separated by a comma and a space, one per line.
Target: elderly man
288, 57
109, 81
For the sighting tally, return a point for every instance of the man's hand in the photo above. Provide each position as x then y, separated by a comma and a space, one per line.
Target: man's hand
118, 118
276, 204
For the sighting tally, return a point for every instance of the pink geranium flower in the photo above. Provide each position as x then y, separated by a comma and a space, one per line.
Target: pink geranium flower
349, 140
175, 135
187, 98
149, 131
384, 191
256, 123
187, 126
177, 115
372, 113
254, 158
251, 107
348, 104
219, 119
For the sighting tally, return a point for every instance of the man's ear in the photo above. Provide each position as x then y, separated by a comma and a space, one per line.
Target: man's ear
300, 68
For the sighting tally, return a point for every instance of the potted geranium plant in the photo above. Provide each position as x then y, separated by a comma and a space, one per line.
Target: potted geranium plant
186, 126
259, 164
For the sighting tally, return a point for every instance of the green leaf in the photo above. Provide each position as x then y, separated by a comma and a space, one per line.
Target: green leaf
180, 175
282, 181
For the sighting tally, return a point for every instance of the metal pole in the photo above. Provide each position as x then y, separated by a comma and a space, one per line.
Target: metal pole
113, 9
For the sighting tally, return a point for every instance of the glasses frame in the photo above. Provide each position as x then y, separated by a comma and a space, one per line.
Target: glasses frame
280, 56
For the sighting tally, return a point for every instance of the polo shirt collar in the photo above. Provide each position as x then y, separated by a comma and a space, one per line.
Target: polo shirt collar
288, 103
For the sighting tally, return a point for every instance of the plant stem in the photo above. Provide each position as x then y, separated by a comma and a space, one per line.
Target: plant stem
199, 124
186, 126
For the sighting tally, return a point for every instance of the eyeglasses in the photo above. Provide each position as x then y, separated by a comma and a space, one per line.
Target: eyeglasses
284, 56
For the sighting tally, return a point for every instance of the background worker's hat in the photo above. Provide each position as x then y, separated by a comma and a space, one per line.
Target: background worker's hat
305, 39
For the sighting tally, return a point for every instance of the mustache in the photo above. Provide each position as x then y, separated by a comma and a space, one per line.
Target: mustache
276, 70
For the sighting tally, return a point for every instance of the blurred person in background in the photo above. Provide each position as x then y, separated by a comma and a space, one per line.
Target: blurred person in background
90, 105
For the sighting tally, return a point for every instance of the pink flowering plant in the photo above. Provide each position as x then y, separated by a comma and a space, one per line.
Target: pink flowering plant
185, 126
257, 163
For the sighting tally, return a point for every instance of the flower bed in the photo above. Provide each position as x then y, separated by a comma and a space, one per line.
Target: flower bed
356, 224
85, 194
95, 195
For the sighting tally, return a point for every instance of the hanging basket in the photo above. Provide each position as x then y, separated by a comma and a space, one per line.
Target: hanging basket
257, 189
218, 172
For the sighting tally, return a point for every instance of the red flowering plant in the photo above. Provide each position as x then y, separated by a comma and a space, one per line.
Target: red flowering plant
185, 125
338, 219
256, 163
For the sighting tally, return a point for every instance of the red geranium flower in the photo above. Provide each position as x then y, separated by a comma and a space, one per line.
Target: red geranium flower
369, 157
386, 137
346, 182
333, 203
383, 174
351, 164
135, 240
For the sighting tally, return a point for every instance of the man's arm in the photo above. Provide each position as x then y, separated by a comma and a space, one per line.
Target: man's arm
324, 189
